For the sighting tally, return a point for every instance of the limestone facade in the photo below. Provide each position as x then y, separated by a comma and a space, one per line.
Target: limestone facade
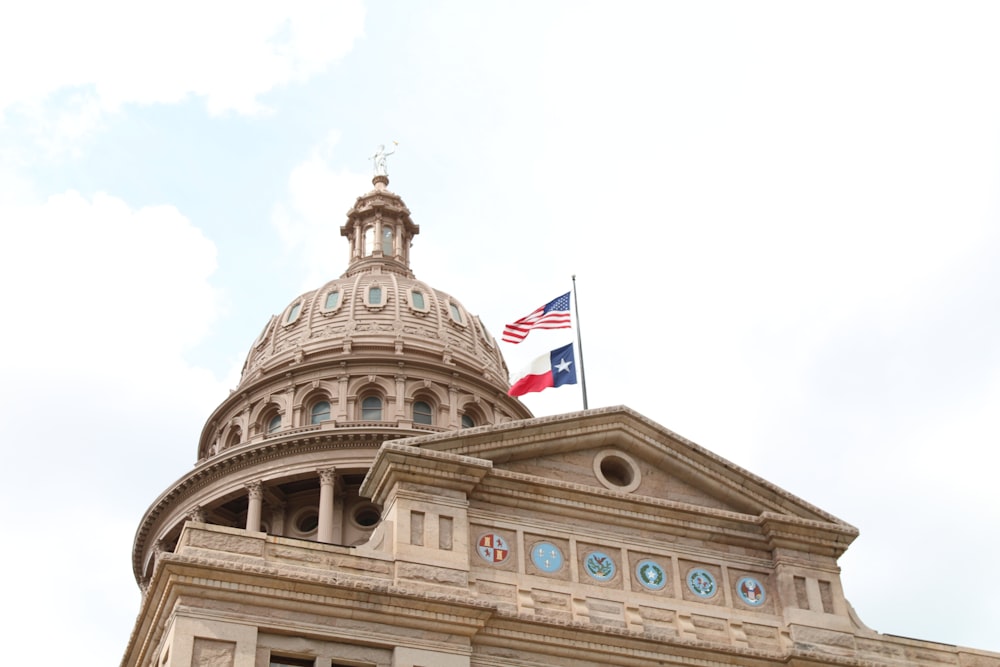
412, 537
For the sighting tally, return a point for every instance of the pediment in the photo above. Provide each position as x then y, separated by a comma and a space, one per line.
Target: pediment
616, 458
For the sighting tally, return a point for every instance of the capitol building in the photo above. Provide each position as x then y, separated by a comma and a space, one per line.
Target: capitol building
369, 495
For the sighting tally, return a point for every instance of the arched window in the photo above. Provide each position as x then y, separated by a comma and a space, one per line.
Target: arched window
417, 300
422, 413
332, 300
234, 438
467, 421
320, 412
371, 408
369, 241
274, 423
387, 241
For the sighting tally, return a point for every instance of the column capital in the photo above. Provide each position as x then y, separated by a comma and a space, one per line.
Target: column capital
255, 489
327, 475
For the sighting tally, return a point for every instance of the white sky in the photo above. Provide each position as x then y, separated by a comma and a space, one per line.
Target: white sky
782, 218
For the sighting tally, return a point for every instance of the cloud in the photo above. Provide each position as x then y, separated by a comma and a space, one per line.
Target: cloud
83, 58
309, 221
102, 301
92, 280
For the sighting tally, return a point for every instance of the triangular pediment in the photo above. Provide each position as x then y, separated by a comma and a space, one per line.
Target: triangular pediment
617, 463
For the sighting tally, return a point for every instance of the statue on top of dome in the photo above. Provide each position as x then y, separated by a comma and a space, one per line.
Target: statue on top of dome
379, 159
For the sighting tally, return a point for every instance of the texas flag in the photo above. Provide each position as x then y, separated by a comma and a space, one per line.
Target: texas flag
554, 369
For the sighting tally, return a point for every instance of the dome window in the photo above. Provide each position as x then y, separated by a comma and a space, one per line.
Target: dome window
371, 409
468, 422
293, 313
332, 300
456, 314
417, 301
234, 438
369, 240
274, 424
484, 334
263, 334
375, 296
320, 412
387, 241
423, 413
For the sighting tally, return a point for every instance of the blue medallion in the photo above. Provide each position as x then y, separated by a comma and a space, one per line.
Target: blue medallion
651, 575
599, 565
701, 583
750, 591
546, 556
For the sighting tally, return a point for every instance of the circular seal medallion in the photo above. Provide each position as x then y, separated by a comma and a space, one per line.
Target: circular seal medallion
651, 575
750, 591
493, 549
701, 583
599, 565
546, 556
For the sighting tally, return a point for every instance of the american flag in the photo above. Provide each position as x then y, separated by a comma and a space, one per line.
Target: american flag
553, 315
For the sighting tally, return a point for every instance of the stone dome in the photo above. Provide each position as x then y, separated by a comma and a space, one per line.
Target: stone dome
374, 355
407, 318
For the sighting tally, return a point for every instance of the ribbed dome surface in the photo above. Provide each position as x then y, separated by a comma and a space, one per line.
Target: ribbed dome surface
409, 318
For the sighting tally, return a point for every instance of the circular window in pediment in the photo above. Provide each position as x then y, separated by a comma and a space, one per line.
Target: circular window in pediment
617, 470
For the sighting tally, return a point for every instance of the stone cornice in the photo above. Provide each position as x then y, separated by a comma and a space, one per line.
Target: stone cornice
529, 437
400, 463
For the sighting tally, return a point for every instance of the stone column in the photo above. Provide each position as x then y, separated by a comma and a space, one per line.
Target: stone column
326, 481
256, 498
342, 407
401, 398
453, 419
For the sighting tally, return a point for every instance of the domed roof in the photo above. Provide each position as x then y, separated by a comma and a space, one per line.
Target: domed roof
377, 304
373, 311
376, 330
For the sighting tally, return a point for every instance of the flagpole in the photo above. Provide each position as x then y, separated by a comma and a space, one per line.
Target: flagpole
579, 346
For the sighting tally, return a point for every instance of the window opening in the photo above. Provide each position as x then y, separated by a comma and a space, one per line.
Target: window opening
320, 412
369, 241
331, 300
387, 241
422, 413
274, 424
417, 299
283, 661
371, 409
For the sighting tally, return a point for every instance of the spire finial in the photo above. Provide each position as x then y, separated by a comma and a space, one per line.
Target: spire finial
379, 159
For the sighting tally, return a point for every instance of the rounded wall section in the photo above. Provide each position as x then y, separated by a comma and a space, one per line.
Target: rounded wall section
375, 309
380, 332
